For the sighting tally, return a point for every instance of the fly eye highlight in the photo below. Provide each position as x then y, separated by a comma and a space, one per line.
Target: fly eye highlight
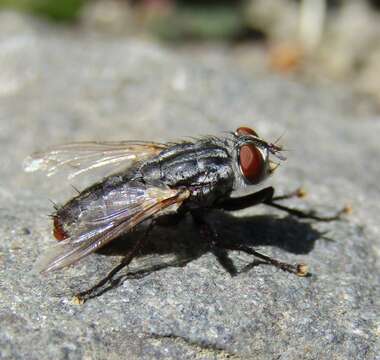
251, 163
246, 131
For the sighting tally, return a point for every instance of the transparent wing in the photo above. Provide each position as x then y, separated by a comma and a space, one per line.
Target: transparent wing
84, 156
102, 230
96, 211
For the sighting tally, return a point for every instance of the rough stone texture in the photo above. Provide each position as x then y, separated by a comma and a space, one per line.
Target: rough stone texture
60, 85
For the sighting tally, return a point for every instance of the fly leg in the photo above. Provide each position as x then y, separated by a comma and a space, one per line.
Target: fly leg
212, 238
109, 278
266, 196
243, 202
219, 250
273, 202
298, 193
297, 269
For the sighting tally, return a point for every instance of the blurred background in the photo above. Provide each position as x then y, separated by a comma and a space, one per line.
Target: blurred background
312, 40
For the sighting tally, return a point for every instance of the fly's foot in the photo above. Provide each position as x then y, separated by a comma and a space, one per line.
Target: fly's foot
78, 300
310, 214
347, 210
298, 193
107, 283
301, 269
219, 248
301, 193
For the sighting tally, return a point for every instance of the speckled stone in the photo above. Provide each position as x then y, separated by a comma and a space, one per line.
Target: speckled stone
59, 85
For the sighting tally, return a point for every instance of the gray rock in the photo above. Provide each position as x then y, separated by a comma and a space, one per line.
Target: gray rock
59, 85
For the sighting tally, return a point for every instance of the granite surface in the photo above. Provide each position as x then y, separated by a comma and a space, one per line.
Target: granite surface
59, 85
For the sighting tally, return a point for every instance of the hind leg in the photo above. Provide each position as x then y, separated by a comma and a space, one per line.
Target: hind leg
96, 290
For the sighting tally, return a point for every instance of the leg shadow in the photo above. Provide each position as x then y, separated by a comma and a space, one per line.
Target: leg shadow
177, 245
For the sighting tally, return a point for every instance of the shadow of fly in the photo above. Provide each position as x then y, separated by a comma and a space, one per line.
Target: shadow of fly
159, 180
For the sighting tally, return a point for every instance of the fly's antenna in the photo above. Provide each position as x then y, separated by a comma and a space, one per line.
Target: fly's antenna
276, 145
275, 148
280, 137
275, 151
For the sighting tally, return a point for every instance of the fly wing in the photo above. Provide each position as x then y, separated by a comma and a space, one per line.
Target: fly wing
84, 156
101, 230
116, 201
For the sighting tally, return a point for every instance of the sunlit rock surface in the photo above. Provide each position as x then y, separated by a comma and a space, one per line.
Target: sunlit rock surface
59, 85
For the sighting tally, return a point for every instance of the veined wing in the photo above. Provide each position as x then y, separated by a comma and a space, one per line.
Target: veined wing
84, 156
105, 206
103, 230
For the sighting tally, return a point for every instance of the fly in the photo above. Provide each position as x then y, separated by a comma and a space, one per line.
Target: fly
158, 179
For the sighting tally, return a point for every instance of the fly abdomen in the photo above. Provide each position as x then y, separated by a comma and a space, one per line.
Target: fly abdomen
58, 231
68, 218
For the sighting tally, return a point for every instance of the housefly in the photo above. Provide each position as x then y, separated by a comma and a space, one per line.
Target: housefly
158, 179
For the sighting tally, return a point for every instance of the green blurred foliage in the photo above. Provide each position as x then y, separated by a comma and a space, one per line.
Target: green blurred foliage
59, 10
199, 22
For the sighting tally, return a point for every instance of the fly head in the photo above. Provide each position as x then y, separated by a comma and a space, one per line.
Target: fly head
252, 157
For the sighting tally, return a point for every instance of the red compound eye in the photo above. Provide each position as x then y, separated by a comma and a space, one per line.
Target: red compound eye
246, 131
251, 163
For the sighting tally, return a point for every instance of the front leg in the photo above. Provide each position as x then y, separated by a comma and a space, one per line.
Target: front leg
273, 202
266, 196
246, 201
